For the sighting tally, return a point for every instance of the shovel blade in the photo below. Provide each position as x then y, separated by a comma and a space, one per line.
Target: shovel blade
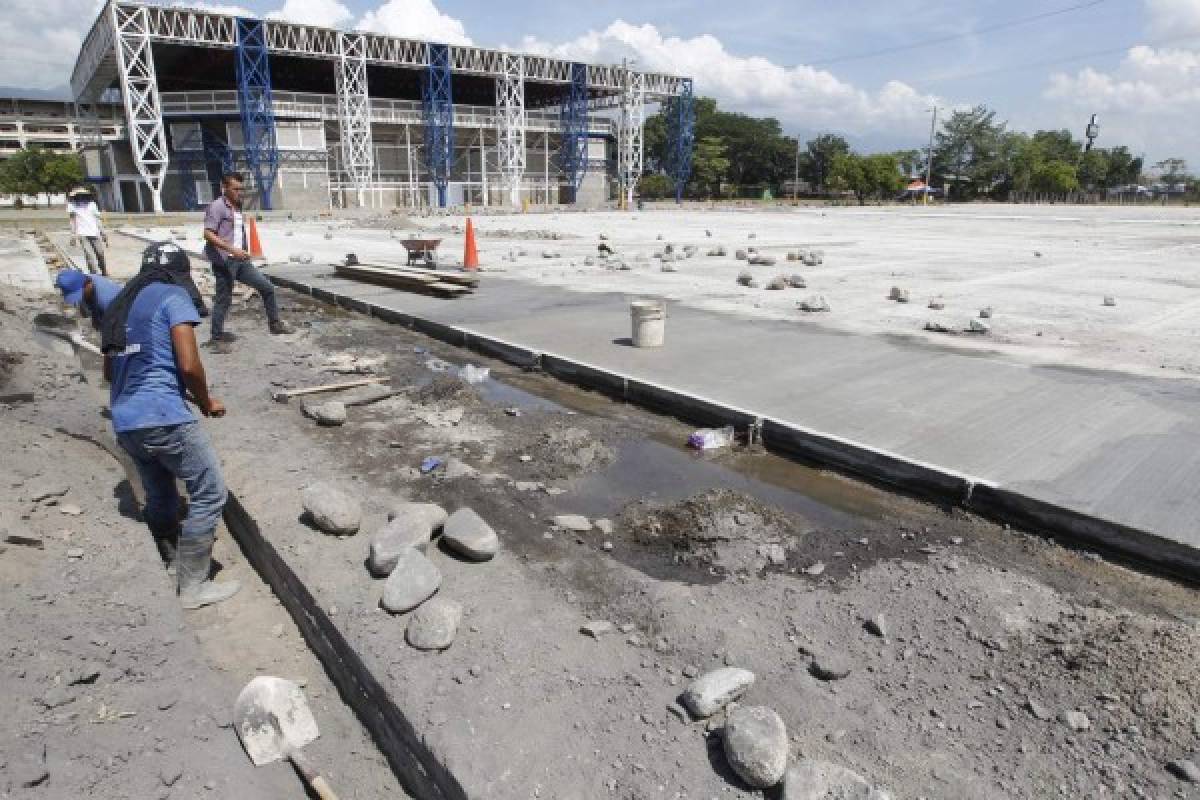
273, 718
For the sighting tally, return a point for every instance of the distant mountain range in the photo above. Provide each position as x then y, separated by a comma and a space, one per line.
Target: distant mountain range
57, 93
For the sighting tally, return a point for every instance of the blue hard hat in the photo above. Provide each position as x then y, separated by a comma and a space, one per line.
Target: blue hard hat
71, 282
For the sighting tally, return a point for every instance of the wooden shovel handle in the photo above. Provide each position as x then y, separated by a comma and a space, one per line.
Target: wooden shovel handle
311, 776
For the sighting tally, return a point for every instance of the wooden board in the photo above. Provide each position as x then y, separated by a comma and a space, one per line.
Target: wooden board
403, 279
462, 278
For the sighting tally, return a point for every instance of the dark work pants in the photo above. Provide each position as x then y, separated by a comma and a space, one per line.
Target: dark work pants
237, 270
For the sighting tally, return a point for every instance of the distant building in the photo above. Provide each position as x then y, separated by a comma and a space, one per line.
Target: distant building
53, 125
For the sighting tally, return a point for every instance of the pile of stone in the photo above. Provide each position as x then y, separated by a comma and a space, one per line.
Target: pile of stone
755, 742
810, 258
718, 251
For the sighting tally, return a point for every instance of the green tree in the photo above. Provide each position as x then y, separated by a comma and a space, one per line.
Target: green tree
710, 165
822, 152
655, 186
1123, 168
34, 170
967, 152
1093, 169
1055, 177
876, 176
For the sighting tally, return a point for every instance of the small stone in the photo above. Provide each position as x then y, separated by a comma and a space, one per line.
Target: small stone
277, 630
74, 553
816, 303
466, 533
1038, 710
876, 626
573, 522
815, 569
413, 581
170, 774
1075, 720
797, 282
756, 745
978, 326
607, 547
714, 690
70, 509
331, 509
435, 624
50, 493
937, 303
691, 671
898, 294
830, 666
985, 313
597, 628
821, 780
1185, 770
605, 526
1109, 300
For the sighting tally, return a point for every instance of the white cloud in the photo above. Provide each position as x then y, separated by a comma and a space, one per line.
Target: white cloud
414, 19
1149, 102
1173, 17
325, 13
800, 96
39, 41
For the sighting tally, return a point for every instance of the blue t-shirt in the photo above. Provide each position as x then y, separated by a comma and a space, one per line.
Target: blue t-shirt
147, 390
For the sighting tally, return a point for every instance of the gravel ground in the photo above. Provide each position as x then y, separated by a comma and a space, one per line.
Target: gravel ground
994, 641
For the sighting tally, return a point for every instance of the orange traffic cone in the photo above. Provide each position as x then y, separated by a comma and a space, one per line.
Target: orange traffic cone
470, 254
256, 250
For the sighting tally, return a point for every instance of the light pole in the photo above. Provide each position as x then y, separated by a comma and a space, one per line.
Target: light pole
796, 178
929, 160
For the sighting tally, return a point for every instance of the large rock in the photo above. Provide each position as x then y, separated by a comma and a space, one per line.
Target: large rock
407, 530
330, 414
573, 522
433, 513
714, 690
756, 745
331, 509
413, 581
434, 625
820, 780
467, 534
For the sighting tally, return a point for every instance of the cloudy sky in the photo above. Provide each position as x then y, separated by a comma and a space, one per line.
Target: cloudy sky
869, 69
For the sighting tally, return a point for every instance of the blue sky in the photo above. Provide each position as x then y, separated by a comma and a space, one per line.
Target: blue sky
814, 65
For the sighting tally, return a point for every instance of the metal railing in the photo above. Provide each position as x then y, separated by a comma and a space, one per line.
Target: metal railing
301, 105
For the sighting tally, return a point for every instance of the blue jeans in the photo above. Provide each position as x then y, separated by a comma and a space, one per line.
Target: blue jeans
177, 451
232, 270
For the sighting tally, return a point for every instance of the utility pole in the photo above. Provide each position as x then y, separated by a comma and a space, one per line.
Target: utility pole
929, 160
796, 179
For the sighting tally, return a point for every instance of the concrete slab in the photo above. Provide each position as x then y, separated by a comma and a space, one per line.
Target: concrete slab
21, 264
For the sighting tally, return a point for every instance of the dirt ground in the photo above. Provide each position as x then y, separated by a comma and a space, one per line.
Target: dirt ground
110, 690
742, 558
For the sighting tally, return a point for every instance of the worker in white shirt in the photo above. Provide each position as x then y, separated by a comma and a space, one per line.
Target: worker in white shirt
87, 228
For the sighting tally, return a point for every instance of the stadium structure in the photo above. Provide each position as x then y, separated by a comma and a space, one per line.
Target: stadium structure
318, 118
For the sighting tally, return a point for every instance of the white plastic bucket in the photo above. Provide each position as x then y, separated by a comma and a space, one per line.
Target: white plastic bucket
649, 322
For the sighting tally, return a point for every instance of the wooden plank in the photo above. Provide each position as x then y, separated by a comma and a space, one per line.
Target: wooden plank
463, 278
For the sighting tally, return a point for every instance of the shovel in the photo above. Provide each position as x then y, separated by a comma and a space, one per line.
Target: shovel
60, 326
273, 721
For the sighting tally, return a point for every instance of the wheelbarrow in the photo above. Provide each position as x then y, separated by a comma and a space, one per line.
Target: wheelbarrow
421, 251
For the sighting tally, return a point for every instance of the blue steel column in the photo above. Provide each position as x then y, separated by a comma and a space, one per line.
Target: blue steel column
572, 154
681, 136
254, 100
438, 102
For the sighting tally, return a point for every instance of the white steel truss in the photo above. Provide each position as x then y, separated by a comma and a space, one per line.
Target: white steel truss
206, 28
139, 88
510, 124
354, 111
630, 148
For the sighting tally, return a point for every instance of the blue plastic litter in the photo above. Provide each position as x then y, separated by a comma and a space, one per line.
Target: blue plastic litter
430, 464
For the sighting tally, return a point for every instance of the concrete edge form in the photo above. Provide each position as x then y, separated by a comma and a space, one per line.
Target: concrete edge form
419, 770
1164, 555
859, 460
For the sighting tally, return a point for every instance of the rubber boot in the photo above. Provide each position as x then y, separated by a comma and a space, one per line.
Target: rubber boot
166, 540
193, 562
